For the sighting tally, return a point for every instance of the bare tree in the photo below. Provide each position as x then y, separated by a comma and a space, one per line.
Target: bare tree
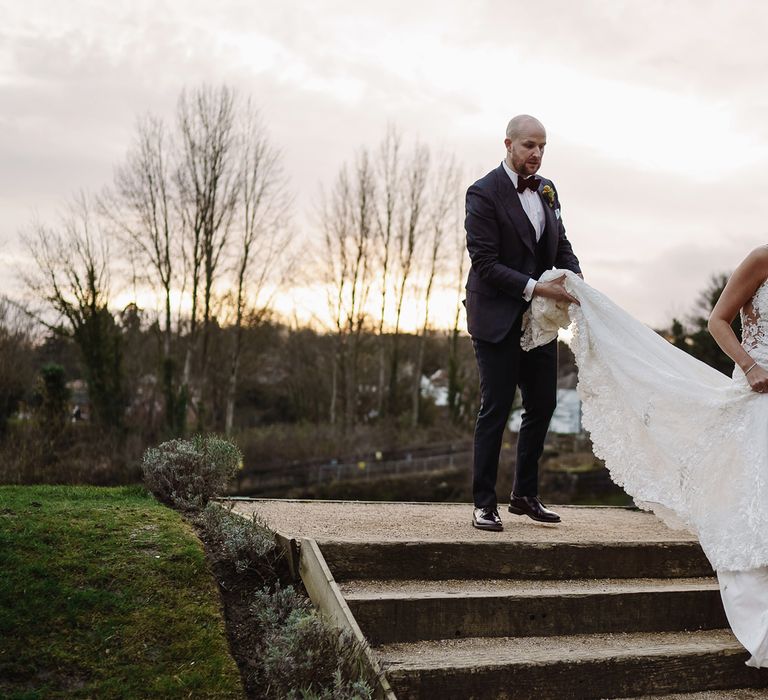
455, 386
16, 364
142, 210
336, 223
409, 229
144, 189
208, 182
73, 278
263, 212
347, 220
442, 199
387, 203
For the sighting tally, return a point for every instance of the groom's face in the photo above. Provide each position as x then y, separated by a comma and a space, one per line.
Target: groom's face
526, 150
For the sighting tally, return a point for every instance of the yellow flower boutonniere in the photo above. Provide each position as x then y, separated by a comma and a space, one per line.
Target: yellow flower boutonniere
549, 193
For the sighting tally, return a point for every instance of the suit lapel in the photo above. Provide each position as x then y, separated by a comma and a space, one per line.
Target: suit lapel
514, 209
550, 224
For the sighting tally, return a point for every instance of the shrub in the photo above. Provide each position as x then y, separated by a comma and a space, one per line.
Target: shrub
51, 399
244, 543
188, 473
341, 690
83, 453
302, 656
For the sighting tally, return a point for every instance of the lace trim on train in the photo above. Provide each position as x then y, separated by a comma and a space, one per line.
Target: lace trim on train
754, 326
681, 439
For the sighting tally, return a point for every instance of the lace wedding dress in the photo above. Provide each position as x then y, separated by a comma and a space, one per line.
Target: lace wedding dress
684, 440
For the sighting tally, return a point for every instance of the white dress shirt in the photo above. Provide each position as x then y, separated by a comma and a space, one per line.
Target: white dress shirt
534, 209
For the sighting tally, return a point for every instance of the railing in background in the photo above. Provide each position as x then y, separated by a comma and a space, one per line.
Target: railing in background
431, 458
268, 480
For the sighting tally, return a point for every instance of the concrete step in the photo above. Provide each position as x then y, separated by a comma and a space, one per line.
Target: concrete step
450, 522
408, 611
503, 559
575, 667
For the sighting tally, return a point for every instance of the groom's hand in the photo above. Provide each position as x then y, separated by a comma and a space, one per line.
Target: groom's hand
554, 290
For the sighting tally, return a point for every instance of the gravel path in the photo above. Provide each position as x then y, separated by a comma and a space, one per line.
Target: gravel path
394, 588
450, 522
478, 651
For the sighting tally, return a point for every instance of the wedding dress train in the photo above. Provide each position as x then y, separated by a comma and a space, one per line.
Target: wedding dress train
684, 440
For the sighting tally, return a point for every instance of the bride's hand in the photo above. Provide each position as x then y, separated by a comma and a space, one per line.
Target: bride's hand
555, 290
758, 380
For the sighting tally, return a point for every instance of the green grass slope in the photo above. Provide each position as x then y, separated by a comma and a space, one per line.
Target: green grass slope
104, 593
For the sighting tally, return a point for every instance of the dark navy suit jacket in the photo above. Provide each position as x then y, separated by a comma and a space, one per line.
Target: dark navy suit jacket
502, 246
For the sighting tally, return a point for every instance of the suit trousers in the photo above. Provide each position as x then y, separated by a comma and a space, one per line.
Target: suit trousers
504, 366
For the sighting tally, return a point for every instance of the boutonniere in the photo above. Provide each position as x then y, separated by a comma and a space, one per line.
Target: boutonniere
549, 193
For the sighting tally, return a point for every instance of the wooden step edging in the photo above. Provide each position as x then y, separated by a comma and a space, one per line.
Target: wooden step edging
619, 676
426, 560
414, 618
307, 564
327, 598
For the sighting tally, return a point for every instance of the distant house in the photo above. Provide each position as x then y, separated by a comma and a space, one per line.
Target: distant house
567, 418
435, 387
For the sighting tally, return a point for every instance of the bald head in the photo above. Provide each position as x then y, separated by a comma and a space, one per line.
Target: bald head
526, 138
523, 122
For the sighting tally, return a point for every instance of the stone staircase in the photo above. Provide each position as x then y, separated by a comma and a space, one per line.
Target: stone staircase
608, 604
541, 620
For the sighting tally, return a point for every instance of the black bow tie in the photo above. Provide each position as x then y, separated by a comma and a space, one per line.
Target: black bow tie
532, 183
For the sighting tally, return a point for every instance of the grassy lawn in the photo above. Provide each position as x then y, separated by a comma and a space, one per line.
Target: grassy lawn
104, 593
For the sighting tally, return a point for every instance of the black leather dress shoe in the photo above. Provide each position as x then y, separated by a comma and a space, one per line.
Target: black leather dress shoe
486, 519
533, 508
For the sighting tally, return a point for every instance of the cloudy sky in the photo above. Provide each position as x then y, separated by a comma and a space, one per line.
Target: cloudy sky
657, 112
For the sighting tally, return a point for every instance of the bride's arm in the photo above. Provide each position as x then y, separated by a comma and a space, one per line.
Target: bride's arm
747, 277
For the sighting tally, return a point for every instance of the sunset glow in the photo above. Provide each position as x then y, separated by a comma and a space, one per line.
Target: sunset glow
655, 116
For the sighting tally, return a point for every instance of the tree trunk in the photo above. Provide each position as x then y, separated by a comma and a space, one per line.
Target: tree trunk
416, 392
231, 393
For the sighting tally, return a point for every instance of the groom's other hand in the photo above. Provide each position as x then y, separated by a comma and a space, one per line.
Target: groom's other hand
554, 290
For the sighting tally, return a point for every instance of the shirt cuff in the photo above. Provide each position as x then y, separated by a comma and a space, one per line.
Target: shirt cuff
528, 291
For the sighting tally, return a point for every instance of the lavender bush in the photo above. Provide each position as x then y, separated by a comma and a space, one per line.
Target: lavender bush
188, 473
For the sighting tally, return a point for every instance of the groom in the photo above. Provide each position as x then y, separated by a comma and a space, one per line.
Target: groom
514, 233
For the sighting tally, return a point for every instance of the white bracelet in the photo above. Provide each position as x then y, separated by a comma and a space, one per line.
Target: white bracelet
746, 372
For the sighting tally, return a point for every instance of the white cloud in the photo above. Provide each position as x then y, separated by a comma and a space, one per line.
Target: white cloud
655, 110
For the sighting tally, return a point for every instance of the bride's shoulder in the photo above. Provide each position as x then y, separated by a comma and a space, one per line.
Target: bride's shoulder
752, 271
758, 257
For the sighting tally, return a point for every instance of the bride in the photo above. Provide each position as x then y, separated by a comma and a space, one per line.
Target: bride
696, 442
